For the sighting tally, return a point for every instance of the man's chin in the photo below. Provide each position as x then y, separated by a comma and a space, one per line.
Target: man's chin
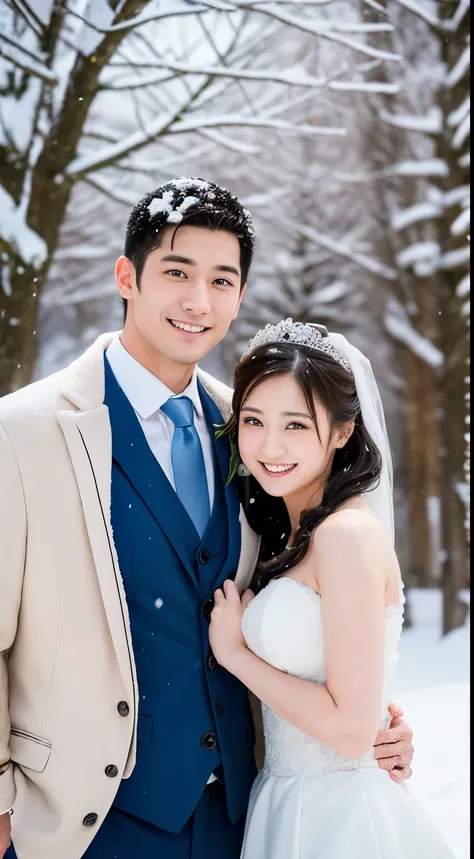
192, 353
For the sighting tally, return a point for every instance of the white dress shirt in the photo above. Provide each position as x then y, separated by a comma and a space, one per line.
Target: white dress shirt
147, 394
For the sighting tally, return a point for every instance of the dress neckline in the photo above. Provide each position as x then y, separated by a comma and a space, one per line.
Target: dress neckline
389, 609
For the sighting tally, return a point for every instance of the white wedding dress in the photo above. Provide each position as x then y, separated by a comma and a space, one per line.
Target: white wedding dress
309, 802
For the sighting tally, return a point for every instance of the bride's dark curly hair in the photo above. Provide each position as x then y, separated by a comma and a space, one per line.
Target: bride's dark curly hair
356, 467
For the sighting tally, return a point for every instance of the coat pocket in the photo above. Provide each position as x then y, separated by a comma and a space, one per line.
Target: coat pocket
29, 750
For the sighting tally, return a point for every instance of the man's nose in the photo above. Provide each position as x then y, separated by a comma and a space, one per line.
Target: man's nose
197, 300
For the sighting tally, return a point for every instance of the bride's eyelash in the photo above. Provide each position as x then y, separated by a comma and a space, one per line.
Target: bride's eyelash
256, 422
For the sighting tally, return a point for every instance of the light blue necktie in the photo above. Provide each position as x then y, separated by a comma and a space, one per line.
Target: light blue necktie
188, 462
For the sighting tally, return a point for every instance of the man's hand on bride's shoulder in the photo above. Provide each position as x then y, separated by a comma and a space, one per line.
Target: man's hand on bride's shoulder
394, 747
225, 630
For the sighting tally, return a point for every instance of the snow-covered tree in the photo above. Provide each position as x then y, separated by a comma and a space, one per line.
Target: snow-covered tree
87, 85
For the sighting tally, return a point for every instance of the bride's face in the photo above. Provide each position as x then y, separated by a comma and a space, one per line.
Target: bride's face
279, 442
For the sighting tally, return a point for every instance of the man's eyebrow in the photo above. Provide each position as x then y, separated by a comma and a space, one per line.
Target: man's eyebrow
178, 258
229, 268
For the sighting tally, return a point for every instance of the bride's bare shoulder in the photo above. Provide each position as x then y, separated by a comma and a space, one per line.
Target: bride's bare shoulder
354, 527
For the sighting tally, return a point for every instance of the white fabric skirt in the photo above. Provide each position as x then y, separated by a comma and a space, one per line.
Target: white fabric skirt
357, 814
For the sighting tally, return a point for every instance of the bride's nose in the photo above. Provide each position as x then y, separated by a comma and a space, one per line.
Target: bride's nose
273, 448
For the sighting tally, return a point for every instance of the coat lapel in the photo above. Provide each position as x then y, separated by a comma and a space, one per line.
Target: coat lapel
132, 453
87, 435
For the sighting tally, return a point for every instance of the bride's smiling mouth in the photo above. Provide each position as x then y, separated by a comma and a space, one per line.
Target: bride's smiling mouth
278, 470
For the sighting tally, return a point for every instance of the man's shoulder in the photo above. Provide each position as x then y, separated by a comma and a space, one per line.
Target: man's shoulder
38, 398
220, 393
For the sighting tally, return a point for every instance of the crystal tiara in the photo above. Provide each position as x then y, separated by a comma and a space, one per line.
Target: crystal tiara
303, 334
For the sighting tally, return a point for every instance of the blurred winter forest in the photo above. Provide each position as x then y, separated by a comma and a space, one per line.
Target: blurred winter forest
343, 125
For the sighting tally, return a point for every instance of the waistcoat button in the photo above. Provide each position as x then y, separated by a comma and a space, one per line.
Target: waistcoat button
111, 770
211, 662
123, 708
204, 556
207, 607
90, 819
209, 741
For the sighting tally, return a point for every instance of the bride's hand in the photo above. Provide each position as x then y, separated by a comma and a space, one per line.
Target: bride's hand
225, 631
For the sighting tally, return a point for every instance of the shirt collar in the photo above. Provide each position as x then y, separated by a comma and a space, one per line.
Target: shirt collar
145, 391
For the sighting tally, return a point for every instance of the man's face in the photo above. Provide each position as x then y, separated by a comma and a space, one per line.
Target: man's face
189, 294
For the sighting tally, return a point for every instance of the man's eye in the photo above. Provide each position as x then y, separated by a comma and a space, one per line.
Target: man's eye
176, 272
254, 422
222, 281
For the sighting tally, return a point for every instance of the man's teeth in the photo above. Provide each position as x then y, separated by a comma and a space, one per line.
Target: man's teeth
276, 469
193, 329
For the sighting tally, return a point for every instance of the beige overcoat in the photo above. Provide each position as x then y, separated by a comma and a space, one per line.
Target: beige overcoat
68, 690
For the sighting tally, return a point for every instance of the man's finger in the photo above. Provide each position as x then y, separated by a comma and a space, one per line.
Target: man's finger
394, 735
397, 761
399, 775
390, 750
395, 710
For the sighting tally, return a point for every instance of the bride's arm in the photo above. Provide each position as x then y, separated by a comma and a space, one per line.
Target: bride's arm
349, 557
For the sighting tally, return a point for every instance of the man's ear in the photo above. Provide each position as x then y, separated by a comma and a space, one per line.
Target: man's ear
125, 277
242, 293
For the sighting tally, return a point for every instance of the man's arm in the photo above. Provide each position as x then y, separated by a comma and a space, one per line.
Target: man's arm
12, 561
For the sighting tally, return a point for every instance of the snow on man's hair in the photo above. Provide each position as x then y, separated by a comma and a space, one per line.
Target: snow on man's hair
187, 201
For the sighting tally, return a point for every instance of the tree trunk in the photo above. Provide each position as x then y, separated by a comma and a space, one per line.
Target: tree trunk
422, 456
454, 342
18, 314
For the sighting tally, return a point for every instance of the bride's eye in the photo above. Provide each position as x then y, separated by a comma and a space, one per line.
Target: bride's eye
297, 426
254, 422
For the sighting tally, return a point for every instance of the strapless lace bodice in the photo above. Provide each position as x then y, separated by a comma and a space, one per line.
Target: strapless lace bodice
283, 626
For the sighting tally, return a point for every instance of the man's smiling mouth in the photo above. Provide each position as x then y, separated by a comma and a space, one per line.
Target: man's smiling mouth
188, 327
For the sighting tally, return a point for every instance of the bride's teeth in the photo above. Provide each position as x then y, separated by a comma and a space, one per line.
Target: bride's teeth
193, 329
276, 469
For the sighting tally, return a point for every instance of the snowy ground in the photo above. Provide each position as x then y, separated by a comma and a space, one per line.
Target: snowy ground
433, 685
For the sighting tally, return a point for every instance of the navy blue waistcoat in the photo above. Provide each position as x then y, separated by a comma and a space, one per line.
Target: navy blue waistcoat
193, 715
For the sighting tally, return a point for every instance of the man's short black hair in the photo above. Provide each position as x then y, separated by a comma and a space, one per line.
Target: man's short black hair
190, 202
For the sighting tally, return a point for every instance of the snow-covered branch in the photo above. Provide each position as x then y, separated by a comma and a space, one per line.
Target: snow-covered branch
295, 76
85, 164
143, 18
432, 123
333, 31
398, 325
15, 232
19, 56
427, 168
